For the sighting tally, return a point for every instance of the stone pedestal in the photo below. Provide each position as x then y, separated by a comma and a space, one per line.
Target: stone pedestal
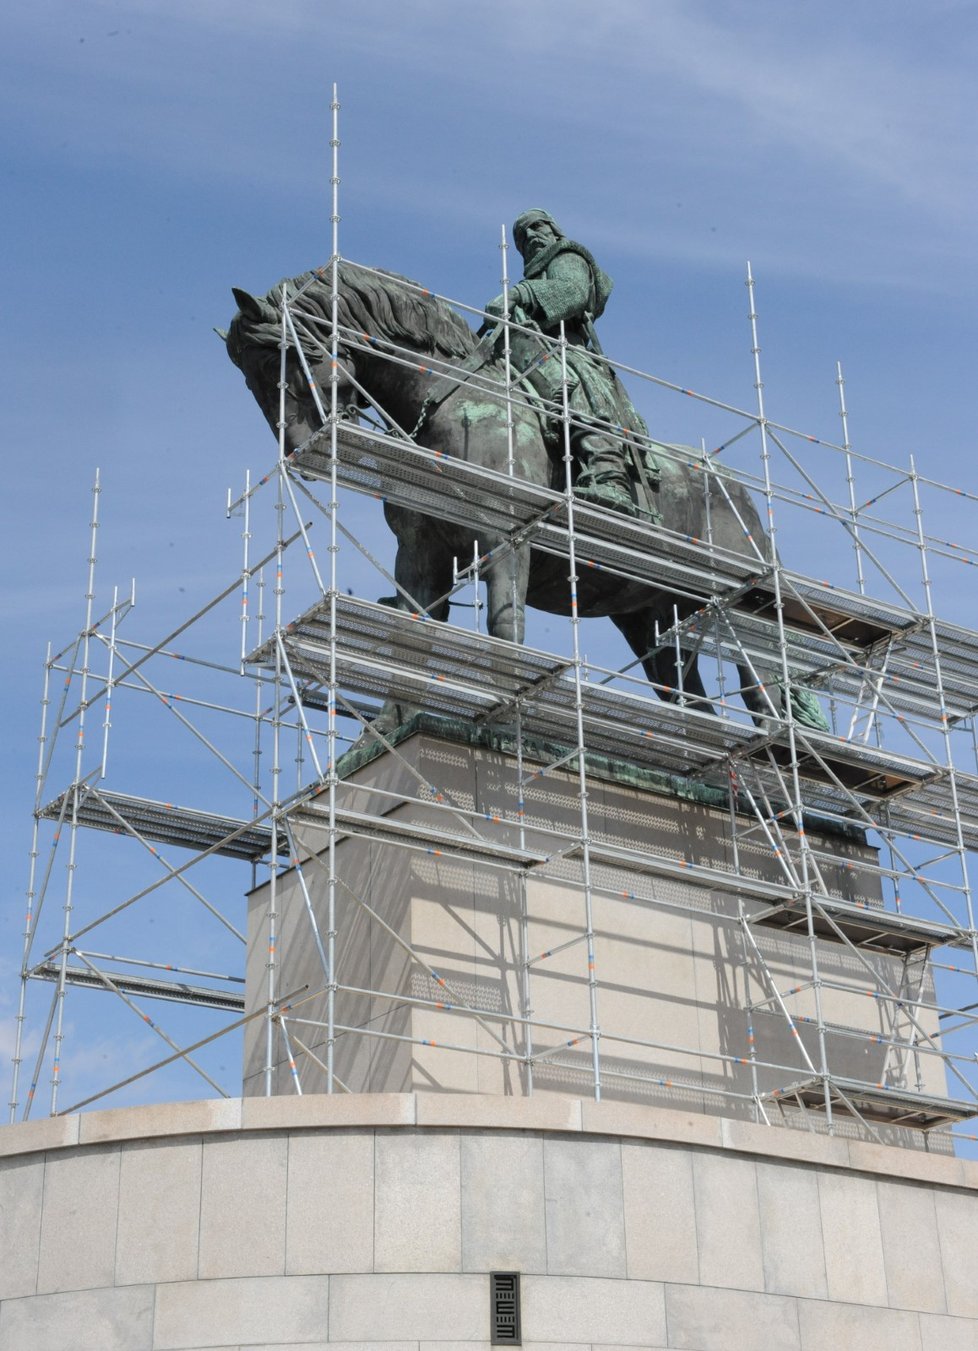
683, 990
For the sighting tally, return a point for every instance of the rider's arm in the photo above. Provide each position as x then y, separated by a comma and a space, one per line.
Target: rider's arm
563, 294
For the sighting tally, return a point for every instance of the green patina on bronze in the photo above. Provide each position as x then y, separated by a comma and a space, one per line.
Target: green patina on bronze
564, 285
602, 768
379, 316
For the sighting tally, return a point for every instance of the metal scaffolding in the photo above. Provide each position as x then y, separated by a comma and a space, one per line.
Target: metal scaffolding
896, 775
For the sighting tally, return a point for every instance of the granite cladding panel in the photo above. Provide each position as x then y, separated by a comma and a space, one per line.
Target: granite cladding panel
80, 1320
78, 1223
21, 1190
789, 1255
418, 1222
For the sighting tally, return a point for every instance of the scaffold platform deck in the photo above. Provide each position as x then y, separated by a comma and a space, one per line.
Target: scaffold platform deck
829, 629
164, 823
390, 654
876, 1103
869, 927
145, 987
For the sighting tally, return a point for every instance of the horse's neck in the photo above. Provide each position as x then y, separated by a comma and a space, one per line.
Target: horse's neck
399, 390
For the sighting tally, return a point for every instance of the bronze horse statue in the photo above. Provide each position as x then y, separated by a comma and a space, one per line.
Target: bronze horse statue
383, 321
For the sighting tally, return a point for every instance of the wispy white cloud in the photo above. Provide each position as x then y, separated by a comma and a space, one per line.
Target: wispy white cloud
874, 104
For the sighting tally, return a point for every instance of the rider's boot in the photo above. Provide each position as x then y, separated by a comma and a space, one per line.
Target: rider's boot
604, 479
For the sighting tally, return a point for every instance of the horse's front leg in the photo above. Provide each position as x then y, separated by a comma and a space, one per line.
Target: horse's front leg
423, 576
506, 583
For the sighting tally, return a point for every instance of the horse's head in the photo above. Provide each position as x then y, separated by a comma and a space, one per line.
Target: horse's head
254, 345
381, 317
255, 342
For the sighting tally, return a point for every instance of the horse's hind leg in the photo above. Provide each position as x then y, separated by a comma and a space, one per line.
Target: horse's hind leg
506, 581
673, 683
423, 579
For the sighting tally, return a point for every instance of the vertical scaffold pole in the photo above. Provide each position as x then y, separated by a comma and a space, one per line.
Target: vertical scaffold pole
797, 806
272, 959
39, 781
935, 647
259, 712
850, 478
75, 792
334, 410
572, 577
245, 578
526, 1005
109, 685
507, 353
245, 623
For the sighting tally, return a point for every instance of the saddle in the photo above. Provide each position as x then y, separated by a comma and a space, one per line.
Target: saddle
537, 370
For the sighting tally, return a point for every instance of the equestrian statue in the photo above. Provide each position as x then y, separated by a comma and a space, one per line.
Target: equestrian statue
530, 394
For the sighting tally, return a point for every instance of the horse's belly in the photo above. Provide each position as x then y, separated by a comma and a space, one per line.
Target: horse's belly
599, 594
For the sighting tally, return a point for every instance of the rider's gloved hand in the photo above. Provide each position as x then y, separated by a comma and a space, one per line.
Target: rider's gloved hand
517, 299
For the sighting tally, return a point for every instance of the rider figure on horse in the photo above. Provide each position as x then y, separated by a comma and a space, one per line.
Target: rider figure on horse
562, 282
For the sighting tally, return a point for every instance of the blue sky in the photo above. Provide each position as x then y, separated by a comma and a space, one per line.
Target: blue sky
155, 154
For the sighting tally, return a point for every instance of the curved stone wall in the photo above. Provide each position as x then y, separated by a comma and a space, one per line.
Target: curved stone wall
373, 1220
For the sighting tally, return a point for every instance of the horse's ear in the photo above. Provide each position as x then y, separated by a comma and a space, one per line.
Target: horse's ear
247, 304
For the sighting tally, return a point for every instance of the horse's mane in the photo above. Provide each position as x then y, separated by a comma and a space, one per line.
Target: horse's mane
371, 303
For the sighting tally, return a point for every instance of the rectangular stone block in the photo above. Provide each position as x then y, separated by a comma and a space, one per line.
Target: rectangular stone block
701, 1318
649, 1123
242, 1207
503, 1212
229, 1313
330, 1212
943, 1169
418, 1202
585, 1219
941, 1333
783, 1143
870, 1329
329, 1109
30, 1137
853, 1240
162, 1118
911, 1249
727, 1221
575, 1309
957, 1227
539, 1113
78, 1222
386, 1307
791, 1230
21, 1188
82, 1320
969, 1173
159, 1212
660, 1226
